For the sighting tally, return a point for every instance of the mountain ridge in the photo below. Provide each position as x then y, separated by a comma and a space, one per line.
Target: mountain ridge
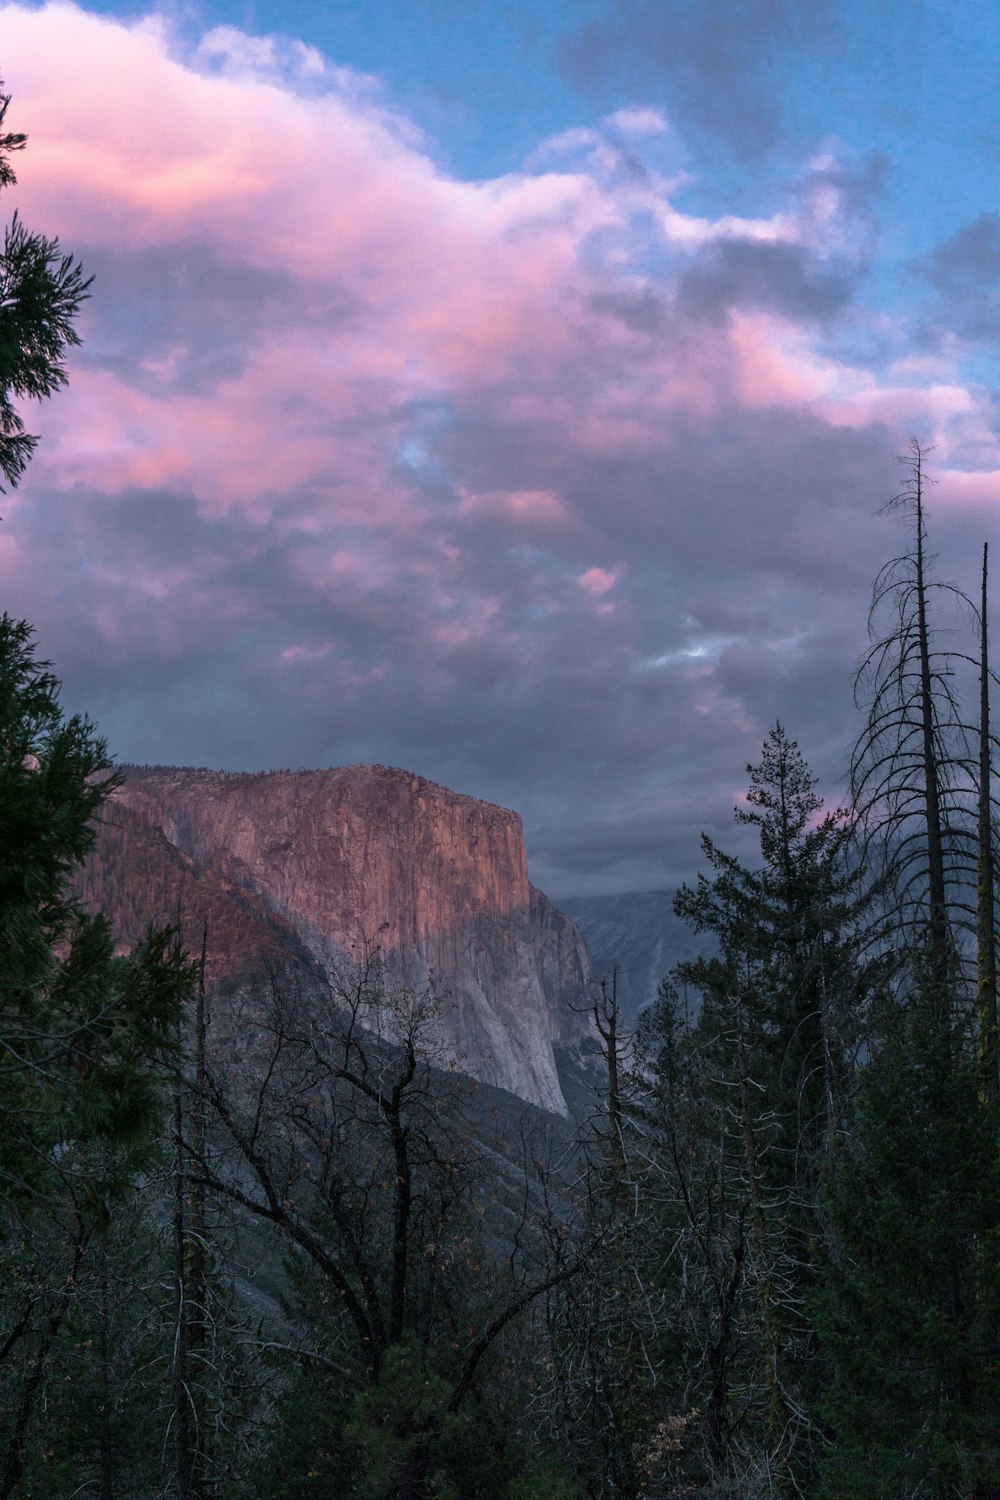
636, 936
293, 871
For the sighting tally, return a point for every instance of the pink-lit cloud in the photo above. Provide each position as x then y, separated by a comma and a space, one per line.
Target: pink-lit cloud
599, 581
362, 461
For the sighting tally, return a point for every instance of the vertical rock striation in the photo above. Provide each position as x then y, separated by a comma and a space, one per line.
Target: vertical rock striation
317, 863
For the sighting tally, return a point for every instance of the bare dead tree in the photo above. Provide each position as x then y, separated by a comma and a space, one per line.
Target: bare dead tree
190, 1264
37, 1331
986, 934
913, 765
909, 768
344, 1125
604, 1400
614, 1046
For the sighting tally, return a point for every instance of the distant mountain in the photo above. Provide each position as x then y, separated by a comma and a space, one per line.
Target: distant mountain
638, 934
290, 873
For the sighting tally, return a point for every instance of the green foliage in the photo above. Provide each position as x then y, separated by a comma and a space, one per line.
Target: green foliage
54, 775
790, 937
305, 1454
403, 1429
86, 1034
909, 1312
398, 1438
749, 1064
41, 290
105, 1376
544, 1481
83, 1030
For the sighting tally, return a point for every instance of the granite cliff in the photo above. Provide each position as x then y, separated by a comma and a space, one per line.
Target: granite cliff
294, 871
637, 937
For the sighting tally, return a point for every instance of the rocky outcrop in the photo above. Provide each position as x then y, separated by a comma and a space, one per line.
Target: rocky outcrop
637, 938
300, 870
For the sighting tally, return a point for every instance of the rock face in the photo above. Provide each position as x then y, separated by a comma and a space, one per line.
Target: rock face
297, 870
638, 937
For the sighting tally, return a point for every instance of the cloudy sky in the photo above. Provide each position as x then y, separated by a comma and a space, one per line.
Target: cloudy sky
503, 390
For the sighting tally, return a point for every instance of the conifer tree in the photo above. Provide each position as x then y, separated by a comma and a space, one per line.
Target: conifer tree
909, 1306
84, 1030
84, 1034
749, 1100
909, 1309
790, 937
41, 290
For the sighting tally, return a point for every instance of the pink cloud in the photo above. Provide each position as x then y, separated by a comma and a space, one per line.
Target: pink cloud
599, 581
346, 425
448, 288
529, 511
304, 652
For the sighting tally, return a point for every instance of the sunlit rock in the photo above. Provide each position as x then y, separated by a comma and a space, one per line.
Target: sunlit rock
297, 871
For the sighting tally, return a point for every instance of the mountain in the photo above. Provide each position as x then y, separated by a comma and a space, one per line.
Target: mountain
292, 875
638, 935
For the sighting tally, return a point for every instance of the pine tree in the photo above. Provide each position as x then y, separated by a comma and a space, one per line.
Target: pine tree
909, 1310
749, 1100
84, 1034
909, 1305
83, 1030
791, 940
41, 290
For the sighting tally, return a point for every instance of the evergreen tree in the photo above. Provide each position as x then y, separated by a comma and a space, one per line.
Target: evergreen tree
909, 1310
789, 979
84, 1036
83, 1030
909, 1306
41, 290
746, 1105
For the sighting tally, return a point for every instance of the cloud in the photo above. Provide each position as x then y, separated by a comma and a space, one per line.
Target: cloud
715, 63
638, 120
782, 278
541, 485
964, 272
599, 581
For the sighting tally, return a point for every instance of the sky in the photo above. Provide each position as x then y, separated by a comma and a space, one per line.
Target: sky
507, 391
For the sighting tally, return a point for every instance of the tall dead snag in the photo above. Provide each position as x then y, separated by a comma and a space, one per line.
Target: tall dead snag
185, 1475
778, 1413
986, 989
607, 1020
190, 1272
908, 779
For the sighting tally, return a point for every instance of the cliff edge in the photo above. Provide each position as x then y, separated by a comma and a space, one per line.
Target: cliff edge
297, 870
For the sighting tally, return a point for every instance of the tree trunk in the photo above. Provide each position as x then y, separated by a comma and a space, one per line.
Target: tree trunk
939, 943
183, 1446
771, 1341
986, 993
14, 1459
106, 1446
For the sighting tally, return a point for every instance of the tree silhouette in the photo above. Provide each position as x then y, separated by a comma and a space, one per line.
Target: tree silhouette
910, 766
41, 290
